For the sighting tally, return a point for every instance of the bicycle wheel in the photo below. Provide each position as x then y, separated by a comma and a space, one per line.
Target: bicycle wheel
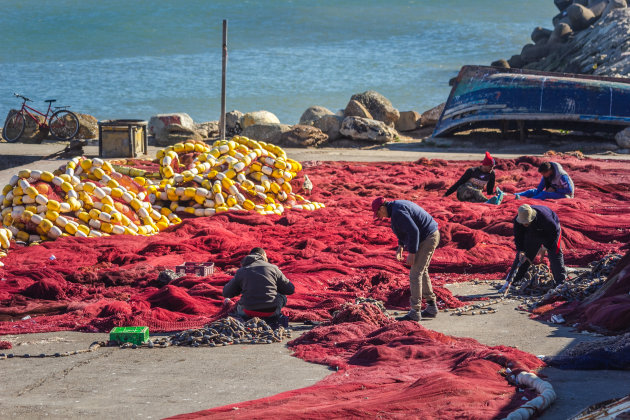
14, 127
64, 125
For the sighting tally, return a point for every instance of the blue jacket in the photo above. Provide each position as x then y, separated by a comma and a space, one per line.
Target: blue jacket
411, 223
559, 180
545, 227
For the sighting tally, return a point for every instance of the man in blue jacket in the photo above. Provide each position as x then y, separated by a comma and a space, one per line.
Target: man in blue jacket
418, 232
555, 183
537, 226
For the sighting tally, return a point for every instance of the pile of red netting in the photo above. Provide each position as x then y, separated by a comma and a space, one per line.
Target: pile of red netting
332, 255
393, 369
607, 311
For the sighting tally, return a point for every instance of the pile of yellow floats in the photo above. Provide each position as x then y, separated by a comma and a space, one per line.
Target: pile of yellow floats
93, 197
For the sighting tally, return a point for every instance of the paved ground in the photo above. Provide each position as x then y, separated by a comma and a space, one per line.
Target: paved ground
161, 382
144, 383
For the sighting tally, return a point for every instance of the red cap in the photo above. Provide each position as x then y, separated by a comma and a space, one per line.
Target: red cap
489, 160
377, 203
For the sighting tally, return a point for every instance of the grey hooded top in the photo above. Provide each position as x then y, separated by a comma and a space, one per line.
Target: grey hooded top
259, 282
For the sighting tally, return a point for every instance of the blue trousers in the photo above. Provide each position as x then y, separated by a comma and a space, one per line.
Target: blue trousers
540, 195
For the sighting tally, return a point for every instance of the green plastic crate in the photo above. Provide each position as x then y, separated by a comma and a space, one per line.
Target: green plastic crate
134, 335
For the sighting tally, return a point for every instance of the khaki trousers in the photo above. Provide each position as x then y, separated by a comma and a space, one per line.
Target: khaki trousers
419, 281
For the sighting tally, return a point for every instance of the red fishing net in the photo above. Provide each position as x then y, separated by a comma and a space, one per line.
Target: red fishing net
399, 369
332, 255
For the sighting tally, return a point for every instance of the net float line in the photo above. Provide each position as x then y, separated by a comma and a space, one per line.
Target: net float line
93, 197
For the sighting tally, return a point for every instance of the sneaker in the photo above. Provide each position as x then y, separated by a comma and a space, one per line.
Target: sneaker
410, 316
430, 311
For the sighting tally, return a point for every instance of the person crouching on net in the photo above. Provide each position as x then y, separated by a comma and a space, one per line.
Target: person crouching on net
536, 226
471, 185
554, 184
418, 232
262, 285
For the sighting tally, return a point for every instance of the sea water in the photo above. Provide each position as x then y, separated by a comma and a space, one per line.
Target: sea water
137, 58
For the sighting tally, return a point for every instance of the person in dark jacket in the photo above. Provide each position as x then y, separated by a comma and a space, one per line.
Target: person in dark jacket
536, 226
471, 185
418, 232
555, 183
262, 285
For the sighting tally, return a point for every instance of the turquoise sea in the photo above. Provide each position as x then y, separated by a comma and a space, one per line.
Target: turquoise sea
136, 58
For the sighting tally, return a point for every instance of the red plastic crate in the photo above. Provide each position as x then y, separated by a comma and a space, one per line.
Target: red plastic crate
198, 269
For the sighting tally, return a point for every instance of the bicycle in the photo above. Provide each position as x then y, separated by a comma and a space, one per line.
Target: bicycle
62, 124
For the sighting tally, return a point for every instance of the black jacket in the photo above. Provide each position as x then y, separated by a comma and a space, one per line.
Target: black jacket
259, 282
545, 227
478, 178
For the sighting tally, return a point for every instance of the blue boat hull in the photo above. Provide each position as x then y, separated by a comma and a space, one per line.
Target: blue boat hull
490, 97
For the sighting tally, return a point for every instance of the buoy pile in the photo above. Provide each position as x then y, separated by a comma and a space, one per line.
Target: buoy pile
92, 197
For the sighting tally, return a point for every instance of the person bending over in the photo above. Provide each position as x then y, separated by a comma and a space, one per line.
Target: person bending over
536, 226
262, 285
471, 185
555, 183
418, 232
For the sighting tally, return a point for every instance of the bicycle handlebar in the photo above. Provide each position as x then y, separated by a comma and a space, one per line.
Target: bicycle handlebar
23, 97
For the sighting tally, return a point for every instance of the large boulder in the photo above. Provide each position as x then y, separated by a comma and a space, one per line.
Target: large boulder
233, 123
623, 138
269, 133
32, 134
408, 121
175, 133
598, 7
314, 113
431, 117
379, 106
330, 125
560, 33
257, 118
516, 61
158, 123
502, 64
614, 4
531, 52
374, 131
208, 130
303, 136
562, 4
540, 35
356, 109
581, 17
88, 126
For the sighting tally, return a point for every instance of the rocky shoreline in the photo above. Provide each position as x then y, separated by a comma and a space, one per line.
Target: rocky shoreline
588, 37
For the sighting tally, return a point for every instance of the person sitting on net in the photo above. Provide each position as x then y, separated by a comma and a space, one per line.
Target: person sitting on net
471, 185
262, 285
555, 183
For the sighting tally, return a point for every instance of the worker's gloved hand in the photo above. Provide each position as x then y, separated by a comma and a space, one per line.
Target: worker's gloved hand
411, 258
399, 253
521, 257
226, 301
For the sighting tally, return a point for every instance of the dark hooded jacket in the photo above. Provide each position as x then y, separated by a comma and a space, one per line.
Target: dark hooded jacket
259, 282
411, 223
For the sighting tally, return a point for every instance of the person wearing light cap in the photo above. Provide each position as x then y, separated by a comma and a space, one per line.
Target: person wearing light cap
418, 233
554, 184
471, 185
536, 226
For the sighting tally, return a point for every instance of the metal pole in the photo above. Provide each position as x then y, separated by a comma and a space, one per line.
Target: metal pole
224, 69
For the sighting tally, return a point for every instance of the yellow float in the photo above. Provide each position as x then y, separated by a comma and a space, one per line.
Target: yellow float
93, 197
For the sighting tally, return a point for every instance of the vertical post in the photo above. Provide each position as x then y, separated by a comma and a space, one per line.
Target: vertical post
224, 69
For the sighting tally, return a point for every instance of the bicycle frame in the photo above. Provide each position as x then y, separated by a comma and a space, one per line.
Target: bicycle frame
26, 108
